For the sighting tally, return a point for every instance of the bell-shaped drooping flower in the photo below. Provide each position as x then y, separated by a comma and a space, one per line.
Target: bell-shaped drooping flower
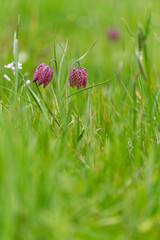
78, 76
43, 74
46, 75
38, 71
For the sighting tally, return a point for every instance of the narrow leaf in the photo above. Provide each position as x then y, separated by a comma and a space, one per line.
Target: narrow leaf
128, 28
87, 88
147, 25
86, 52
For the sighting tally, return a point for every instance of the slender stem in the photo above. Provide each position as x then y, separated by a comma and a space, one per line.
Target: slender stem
16, 63
39, 90
46, 105
53, 60
75, 63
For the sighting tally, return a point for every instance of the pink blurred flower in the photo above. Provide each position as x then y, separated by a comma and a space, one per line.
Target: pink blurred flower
113, 34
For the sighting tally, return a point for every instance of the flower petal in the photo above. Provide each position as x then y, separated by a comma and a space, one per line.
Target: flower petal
72, 78
10, 65
43, 75
49, 76
38, 71
28, 82
6, 77
85, 78
79, 77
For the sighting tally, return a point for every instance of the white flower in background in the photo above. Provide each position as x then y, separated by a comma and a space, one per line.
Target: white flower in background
11, 66
28, 82
6, 77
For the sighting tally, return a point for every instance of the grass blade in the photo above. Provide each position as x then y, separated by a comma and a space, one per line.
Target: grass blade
18, 95
87, 88
124, 87
62, 59
128, 28
148, 22
15, 53
79, 59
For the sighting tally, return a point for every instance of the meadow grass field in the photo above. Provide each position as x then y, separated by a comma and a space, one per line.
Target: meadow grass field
80, 164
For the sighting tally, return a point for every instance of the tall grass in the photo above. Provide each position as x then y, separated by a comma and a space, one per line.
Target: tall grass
81, 164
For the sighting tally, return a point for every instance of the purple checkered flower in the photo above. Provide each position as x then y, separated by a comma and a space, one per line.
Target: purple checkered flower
43, 74
78, 76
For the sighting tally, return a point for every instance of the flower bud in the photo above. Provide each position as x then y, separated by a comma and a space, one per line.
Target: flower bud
43, 74
78, 76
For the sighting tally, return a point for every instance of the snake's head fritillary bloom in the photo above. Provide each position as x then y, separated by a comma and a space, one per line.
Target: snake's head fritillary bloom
43, 74
78, 76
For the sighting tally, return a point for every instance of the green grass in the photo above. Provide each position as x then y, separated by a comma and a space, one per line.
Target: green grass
88, 168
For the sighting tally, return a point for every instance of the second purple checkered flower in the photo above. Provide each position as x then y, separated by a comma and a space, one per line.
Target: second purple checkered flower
79, 77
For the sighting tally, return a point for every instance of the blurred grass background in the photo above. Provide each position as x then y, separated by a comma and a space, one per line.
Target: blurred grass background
105, 185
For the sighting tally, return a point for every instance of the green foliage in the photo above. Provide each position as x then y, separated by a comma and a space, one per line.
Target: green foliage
80, 164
